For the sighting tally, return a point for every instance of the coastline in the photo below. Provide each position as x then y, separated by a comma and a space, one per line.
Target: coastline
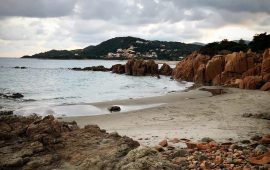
192, 114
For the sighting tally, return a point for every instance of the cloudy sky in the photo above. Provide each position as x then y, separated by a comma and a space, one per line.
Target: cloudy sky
32, 26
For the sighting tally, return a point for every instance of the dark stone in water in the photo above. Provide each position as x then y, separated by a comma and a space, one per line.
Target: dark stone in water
93, 68
16, 95
17, 67
13, 95
114, 109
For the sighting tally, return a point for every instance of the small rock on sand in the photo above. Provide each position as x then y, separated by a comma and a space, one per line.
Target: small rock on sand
114, 109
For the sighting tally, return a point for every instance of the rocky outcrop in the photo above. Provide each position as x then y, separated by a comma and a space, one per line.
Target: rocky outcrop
165, 70
238, 62
118, 68
141, 68
151, 68
225, 78
199, 66
266, 87
242, 70
266, 62
93, 68
251, 82
214, 68
45, 143
128, 67
192, 68
184, 69
11, 95
132, 67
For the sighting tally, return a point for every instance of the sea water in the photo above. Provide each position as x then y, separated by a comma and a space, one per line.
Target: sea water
51, 84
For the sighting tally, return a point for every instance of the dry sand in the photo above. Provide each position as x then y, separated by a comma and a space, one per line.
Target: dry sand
193, 114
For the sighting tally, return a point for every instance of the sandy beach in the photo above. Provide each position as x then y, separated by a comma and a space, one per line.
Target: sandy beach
193, 114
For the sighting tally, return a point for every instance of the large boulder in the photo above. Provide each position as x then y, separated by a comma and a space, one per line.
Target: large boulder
214, 67
151, 68
184, 69
254, 71
251, 82
199, 65
266, 87
225, 78
266, 62
118, 68
191, 68
129, 66
199, 77
238, 62
141, 67
198, 61
266, 77
48, 126
165, 70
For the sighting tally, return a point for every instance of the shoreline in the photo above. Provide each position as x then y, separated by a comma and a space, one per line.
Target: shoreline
191, 114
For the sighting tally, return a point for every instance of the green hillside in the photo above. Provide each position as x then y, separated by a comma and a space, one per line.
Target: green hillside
140, 48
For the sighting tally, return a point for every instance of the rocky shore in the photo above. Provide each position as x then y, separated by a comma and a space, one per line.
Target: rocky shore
239, 69
44, 143
133, 68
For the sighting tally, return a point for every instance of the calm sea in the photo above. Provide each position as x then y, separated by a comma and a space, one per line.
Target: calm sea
49, 83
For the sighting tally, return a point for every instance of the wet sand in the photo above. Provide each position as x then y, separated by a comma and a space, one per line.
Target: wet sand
193, 114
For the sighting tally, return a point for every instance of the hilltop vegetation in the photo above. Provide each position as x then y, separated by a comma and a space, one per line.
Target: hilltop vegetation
259, 43
124, 48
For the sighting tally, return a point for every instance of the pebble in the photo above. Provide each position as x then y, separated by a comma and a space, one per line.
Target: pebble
202, 157
159, 148
180, 160
256, 138
180, 153
163, 143
190, 158
207, 139
229, 160
245, 141
260, 149
218, 160
170, 147
234, 146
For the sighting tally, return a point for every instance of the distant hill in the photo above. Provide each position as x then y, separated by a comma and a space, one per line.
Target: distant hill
245, 41
198, 43
124, 48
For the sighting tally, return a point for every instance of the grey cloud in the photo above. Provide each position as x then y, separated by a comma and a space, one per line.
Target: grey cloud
36, 8
229, 5
152, 11
45, 24
128, 12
